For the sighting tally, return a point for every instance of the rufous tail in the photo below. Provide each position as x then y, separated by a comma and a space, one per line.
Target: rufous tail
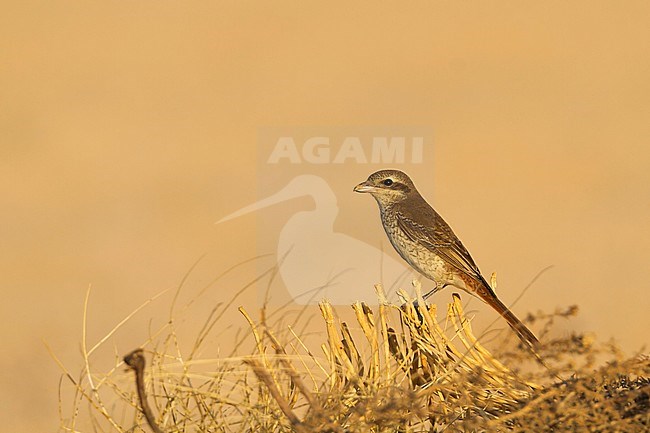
490, 298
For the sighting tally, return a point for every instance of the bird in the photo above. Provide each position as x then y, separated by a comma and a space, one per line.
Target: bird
429, 245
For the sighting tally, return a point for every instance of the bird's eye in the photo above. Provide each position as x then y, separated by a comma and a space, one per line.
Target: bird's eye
388, 182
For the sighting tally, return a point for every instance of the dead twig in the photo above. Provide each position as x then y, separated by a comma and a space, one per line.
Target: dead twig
136, 361
264, 376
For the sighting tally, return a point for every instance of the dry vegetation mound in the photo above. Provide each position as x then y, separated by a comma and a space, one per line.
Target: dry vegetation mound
401, 368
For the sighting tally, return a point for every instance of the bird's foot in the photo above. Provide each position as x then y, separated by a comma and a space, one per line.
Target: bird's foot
435, 289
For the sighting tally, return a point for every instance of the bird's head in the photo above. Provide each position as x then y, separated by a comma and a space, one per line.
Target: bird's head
388, 187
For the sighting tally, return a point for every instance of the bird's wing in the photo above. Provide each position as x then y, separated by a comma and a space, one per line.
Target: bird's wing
439, 239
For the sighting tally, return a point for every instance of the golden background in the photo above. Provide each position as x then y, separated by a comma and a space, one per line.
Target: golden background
128, 128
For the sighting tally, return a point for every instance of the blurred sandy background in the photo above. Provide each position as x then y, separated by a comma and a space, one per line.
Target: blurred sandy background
128, 128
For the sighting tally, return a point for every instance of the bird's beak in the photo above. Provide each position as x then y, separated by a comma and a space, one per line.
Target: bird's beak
364, 187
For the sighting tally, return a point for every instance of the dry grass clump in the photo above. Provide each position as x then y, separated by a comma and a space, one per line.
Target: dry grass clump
614, 398
396, 369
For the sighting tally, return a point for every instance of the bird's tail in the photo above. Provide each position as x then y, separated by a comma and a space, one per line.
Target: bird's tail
490, 298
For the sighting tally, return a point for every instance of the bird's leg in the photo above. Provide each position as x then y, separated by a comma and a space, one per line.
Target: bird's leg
438, 286
416, 304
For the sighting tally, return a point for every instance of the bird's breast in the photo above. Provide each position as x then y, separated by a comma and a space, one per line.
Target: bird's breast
423, 260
